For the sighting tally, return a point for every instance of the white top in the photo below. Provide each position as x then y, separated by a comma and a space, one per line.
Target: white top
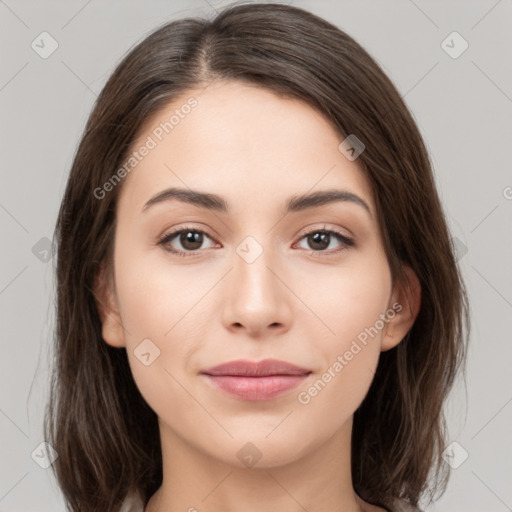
134, 503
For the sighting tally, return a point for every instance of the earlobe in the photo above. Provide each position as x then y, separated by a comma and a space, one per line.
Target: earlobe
111, 326
407, 299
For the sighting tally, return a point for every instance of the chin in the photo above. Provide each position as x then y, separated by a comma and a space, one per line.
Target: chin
252, 449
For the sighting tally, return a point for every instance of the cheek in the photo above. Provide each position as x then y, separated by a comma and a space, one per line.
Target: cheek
331, 399
346, 300
348, 306
168, 305
155, 295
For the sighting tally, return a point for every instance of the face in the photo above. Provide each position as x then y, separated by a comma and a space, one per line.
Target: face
247, 276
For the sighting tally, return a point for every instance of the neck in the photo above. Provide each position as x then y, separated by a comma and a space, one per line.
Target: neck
319, 481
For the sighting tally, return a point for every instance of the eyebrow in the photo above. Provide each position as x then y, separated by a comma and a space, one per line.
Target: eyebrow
296, 203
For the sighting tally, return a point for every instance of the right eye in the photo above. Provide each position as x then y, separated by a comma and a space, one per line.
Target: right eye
191, 239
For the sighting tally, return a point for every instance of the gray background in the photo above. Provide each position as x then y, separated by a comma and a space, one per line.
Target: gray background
463, 108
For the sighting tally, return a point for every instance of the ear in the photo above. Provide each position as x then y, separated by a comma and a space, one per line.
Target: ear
112, 329
405, 302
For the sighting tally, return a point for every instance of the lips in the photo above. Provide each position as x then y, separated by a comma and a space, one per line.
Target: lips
261, 380
256, 369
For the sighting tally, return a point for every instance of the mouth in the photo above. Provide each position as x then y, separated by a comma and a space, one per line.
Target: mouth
264, 380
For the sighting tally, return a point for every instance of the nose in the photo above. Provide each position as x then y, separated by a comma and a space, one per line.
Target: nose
258, 299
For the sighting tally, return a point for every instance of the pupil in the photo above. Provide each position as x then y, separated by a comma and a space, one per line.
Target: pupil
320, 238
191, 237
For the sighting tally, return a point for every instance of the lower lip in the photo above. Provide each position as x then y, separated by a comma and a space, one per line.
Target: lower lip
256, 388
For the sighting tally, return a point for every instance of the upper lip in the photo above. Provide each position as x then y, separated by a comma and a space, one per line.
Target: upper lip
256, 369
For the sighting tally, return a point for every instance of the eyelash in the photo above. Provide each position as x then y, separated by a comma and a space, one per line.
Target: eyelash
168, 237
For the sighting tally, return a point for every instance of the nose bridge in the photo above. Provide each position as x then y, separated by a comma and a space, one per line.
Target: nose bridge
255, 256
257, 298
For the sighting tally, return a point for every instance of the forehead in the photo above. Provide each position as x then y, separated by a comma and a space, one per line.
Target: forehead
243, 142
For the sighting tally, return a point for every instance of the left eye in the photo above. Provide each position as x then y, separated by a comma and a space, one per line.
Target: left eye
192, 239
320, 239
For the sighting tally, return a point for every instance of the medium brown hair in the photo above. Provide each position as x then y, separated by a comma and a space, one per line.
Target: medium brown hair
105, 434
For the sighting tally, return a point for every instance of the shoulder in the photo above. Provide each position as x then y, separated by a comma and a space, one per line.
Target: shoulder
132, 503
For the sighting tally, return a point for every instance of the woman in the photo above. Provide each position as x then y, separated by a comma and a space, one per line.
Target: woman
258, 301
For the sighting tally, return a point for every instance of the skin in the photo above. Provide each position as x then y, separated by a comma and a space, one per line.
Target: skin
294, 302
